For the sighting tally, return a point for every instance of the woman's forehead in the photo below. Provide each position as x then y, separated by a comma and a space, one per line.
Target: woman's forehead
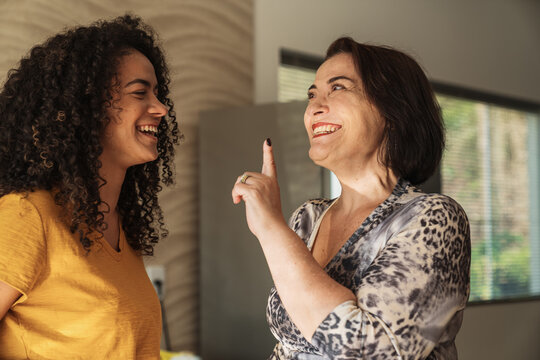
341, 64
135, 65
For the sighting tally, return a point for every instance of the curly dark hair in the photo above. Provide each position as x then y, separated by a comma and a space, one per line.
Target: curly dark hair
413, 135
53, 111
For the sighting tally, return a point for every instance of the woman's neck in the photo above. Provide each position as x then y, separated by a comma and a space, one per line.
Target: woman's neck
110, 191
365, 189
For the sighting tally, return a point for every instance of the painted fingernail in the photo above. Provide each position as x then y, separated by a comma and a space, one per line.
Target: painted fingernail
268, 142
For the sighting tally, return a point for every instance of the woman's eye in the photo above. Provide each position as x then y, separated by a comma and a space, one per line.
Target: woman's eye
337, 87
310, 95
139, 93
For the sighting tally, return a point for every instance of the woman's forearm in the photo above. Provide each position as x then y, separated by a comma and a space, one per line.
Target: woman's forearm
307, 292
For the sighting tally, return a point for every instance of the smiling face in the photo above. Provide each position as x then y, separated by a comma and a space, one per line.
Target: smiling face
344, 128
130, 137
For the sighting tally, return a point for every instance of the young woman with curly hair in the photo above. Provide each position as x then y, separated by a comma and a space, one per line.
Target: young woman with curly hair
87, 135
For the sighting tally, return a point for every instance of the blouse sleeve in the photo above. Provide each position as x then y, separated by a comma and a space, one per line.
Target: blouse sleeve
410, 293
22, 244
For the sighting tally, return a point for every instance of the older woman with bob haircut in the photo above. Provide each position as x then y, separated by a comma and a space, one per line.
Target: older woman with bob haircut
382, 272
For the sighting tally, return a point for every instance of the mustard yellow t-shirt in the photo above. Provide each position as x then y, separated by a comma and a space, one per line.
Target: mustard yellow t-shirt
75, 305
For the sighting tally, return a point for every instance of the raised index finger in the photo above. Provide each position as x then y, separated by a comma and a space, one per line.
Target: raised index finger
269, 165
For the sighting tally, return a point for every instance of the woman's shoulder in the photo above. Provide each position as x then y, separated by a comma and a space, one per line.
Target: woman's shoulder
307, 213
40, 200
436, 212
313, 207
429, 202
38, 196
321, 203
441, 202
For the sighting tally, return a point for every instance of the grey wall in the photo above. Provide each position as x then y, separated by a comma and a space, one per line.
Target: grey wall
234, 278
500, 332
490, 45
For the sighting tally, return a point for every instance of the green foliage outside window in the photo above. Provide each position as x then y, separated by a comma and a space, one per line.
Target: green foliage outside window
485, 168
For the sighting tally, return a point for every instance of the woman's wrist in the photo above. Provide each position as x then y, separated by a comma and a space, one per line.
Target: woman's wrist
273, 229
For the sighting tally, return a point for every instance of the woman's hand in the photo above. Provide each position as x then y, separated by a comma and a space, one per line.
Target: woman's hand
260, 192
299, 279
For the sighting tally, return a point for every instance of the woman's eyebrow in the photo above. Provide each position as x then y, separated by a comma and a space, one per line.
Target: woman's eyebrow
138, 81
341, 77
331, 80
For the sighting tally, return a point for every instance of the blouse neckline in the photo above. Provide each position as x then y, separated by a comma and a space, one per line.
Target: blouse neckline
399, 189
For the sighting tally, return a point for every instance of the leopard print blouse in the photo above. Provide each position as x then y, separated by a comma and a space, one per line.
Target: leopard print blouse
408, 264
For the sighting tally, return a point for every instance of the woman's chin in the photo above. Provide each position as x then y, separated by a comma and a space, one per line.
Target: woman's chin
145, 159
318, 156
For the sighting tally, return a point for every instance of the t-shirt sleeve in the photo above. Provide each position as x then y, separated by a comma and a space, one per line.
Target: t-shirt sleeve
22, 244
414, 290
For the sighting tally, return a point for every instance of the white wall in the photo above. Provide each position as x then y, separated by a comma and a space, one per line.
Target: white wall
492, 46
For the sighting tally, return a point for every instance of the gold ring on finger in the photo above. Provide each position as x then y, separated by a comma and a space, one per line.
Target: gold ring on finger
244, 178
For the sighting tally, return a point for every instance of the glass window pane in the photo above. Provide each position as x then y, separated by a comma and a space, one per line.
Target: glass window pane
294, 82
486, 168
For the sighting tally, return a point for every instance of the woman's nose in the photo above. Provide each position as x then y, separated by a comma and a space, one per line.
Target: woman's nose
318, 107
158, 108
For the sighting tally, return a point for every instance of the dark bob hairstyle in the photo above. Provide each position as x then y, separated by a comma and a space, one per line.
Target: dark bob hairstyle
413, 135
53, 111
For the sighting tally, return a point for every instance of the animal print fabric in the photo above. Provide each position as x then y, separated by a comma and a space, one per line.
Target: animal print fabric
408, 264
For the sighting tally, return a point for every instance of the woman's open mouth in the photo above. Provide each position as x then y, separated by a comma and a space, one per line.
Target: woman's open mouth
320, 129
148, 130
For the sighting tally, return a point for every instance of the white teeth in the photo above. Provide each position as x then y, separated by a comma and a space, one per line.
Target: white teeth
325, 129
148, 128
